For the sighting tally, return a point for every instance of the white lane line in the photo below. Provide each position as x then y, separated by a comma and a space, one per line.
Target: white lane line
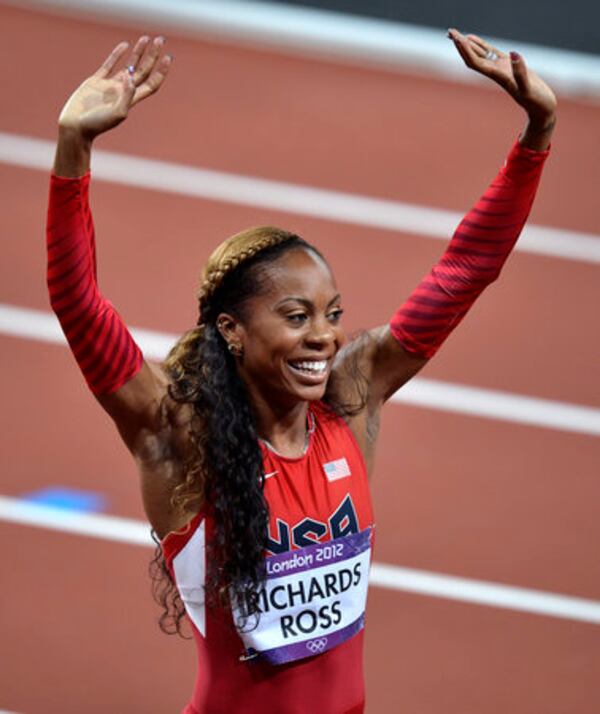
392, 577
481, 592
360, 210
44, 327
333, 35
114, 528
504, 406
427, 393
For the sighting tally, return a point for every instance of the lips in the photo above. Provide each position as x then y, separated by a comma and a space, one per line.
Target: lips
312, 371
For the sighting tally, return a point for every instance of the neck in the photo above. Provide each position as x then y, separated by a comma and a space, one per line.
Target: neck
283, 427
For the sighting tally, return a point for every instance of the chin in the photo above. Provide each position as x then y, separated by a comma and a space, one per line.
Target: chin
313, 393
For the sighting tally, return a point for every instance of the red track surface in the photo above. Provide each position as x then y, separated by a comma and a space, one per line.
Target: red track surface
477, 498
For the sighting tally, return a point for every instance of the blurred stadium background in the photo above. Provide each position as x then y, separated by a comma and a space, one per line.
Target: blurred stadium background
354, 124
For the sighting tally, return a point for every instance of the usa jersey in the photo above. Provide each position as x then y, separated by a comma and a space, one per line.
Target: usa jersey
306, 652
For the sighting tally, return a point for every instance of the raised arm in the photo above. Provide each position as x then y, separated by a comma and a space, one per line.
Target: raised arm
393, 353
127, 387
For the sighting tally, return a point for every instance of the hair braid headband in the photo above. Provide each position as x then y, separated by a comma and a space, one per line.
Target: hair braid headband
232, 253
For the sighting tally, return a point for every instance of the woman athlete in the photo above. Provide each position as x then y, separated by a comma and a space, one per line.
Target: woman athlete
255, 438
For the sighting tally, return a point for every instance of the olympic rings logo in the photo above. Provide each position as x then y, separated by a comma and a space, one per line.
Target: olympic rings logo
316, 646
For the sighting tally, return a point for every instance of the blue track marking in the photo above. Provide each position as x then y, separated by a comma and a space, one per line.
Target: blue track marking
70, 499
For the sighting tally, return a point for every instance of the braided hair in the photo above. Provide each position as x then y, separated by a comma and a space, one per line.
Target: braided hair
223, 464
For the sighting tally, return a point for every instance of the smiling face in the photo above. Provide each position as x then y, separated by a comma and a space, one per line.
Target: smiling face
290, 332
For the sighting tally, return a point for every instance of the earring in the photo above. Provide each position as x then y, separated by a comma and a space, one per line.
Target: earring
236, 350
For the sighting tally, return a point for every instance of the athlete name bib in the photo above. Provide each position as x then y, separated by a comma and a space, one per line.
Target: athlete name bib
313, 599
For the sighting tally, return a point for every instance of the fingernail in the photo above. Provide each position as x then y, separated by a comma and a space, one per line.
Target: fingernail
515, 56
160, 40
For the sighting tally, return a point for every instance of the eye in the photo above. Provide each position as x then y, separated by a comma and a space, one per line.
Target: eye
335, 315
297, 318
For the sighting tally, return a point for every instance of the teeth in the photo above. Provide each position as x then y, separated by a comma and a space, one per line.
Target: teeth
311, 366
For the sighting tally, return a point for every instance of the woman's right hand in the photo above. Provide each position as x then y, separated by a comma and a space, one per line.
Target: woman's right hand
104, 100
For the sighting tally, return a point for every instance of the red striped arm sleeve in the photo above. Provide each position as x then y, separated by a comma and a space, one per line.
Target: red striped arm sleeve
474, 257
101, 343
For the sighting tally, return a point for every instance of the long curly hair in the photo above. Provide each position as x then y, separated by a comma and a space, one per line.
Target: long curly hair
223, 464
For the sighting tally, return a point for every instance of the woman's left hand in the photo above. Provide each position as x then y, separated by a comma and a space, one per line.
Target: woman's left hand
512, 74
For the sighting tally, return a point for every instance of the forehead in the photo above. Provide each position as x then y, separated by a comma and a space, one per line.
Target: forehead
299, 273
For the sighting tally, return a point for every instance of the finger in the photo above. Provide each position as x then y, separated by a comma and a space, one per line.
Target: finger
154, 81
477, 48
485, 49
108, 65
137, 52
465, 50
148, 61
481, 48
481, 43
519, 70
126, 97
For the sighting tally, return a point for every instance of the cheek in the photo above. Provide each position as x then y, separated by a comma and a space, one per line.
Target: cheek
270, 348
340, 336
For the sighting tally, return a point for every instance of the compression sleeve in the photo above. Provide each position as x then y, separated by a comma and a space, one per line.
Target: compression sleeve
473, 259
103, 347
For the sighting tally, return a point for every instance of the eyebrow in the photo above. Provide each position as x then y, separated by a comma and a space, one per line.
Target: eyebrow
303, 301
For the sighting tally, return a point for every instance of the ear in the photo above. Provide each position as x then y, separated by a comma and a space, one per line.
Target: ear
229, 327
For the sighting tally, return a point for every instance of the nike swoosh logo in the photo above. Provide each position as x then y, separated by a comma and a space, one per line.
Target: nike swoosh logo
271, 474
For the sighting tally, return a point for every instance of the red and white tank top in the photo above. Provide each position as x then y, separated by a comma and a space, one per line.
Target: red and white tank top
306, 652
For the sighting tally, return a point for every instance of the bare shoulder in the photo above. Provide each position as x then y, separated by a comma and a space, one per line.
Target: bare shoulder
157, 430
367, 371
163, 456
140, 406
351, 372
372, 366
391, 365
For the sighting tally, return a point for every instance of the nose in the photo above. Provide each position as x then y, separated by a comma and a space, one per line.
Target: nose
321, 334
